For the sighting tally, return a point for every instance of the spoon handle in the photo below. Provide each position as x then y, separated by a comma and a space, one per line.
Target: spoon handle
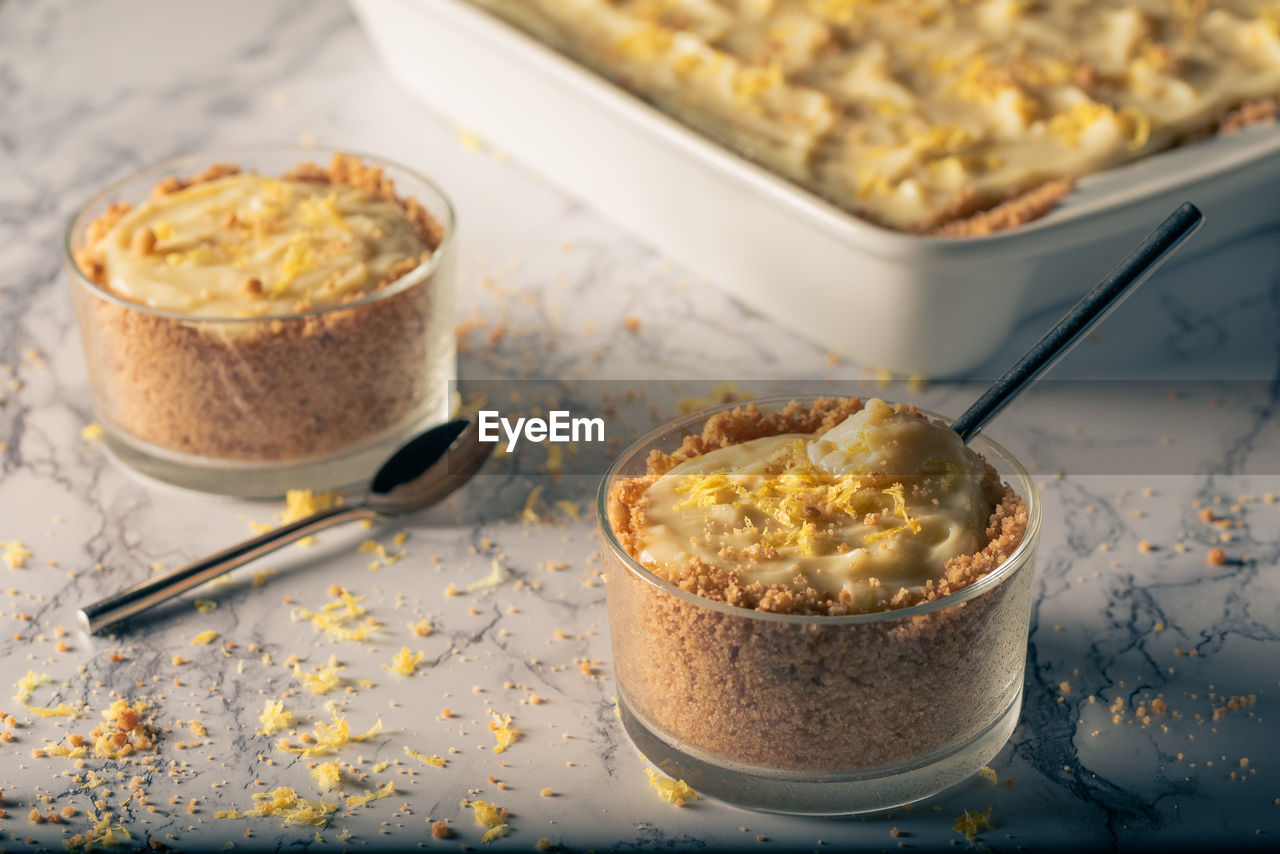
107, 612
1083, 316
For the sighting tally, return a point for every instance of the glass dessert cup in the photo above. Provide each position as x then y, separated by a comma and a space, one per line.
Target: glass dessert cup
255, 406
816, 714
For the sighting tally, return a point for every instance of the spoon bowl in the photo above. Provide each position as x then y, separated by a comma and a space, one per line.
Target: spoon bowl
428, 468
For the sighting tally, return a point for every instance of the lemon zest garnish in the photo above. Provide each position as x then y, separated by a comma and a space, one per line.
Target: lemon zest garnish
28, 684
275, 717
645, 42
973, 823
299, 504
105, 747
672, 791
490, 816
15, 554
284, 803
322, 681
328, 774
204, 638
386, 557
51, 749
317, 210
437, 761
495, 576
118, 707
505, 734
62, 710
895, 492
382, 791
299, 257
334, 617
103, 834
405, 662
529, 515
495, 833
753, 81
329, 737
91, 432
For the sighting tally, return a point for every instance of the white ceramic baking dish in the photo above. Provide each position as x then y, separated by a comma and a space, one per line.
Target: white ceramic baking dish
917, 305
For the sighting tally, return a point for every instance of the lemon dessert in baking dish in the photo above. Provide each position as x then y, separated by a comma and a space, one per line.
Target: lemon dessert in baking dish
958, 116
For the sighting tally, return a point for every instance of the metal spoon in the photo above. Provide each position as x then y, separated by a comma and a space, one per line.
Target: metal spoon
1083, 316
421, 473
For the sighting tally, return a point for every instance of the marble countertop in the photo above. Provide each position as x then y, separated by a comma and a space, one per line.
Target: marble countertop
1172, 408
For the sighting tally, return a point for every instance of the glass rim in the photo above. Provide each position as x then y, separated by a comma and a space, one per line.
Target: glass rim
995, 578
418, 274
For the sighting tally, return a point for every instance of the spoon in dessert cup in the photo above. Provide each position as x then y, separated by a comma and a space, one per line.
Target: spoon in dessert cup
424, 471
1123, 280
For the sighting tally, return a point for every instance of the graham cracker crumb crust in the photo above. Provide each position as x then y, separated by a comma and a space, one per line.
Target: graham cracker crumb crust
972, 215
628, 501
271, 388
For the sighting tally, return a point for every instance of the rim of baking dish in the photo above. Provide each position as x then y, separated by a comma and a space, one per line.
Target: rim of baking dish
170, 166
996, 577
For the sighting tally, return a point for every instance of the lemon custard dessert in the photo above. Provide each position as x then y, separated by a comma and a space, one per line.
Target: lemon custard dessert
879, 509
235, 244
245, 317
826, 590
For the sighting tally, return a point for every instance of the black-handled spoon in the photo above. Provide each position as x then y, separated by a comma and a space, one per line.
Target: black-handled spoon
1083, 316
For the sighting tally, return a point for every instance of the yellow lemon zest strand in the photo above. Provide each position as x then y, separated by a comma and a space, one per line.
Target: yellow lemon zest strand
672, 791
383, 791
437, 761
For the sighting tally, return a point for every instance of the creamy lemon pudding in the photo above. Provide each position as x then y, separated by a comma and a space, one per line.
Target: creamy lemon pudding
830, 593
258, 320
862, 517
882, 509
964, 116
246, 245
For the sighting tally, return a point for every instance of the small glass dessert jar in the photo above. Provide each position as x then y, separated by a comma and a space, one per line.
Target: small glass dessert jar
334, 346
795, 713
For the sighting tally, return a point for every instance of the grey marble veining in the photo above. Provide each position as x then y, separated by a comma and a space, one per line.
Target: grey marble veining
91, 91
